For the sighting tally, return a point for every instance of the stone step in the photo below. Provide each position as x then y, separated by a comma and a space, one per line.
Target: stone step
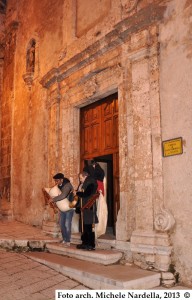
104, 257
97, 276
103, 242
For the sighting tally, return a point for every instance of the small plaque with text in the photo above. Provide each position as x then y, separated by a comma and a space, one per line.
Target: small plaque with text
172, 147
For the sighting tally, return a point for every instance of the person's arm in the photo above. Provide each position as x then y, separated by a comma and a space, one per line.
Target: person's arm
88, 191
64, 192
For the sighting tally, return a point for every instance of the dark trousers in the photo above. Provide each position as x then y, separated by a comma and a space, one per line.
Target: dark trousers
88, 236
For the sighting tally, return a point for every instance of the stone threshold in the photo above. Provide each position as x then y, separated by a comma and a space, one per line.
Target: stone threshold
97, 276
105, 257
105, 242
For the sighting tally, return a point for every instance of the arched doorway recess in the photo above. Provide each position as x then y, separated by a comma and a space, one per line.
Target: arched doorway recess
100, 140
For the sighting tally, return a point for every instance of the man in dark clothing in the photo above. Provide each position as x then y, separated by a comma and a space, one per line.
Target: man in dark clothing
88, 215
94, 170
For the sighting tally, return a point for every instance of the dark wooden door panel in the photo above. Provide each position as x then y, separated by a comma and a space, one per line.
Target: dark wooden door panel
108, 135
95, 138
96, 114
85, 142
115, 132
87, 116
108, 109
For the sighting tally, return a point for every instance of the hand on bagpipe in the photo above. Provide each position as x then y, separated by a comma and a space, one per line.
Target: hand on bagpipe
88, 205
49, 201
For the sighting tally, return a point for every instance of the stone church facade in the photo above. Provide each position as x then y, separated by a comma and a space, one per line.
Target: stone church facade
59, 57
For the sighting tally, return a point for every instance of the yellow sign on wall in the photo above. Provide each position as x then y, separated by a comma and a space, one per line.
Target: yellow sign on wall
172, 147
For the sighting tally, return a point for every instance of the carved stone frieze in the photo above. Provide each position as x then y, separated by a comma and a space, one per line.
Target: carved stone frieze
164, 220
110, 41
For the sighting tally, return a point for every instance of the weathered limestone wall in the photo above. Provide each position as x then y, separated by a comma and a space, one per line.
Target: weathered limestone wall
176, 111
8, 46
29, 119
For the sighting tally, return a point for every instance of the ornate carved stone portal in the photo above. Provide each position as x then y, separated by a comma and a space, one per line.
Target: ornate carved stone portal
123, 61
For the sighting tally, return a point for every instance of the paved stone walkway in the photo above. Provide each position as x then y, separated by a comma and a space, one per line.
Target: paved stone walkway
22, 278
17, 230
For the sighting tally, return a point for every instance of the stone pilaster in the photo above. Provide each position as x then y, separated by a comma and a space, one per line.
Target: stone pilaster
150, 243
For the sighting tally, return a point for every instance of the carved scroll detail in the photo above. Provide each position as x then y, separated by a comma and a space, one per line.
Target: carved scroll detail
164, 221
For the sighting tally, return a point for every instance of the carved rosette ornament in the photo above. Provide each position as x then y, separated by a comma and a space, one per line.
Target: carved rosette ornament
164, 221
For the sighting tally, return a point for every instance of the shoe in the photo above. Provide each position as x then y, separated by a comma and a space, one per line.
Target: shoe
66, 244
90, 248
81, 246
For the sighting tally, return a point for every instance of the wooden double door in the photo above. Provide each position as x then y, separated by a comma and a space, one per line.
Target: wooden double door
99, 140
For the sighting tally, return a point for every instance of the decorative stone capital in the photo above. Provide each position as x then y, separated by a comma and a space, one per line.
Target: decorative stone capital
164, 220
28, 78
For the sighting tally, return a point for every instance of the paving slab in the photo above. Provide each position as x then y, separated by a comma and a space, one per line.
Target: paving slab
97, 276
30, 279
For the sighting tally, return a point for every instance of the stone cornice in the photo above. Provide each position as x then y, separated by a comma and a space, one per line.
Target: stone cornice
121, 33
50, 78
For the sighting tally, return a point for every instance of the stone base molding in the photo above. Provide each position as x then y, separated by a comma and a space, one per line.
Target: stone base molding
151, 250
51, 228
